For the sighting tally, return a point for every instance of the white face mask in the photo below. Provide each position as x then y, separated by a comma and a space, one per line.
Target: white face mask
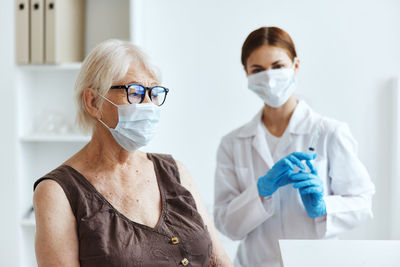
137, 125
274, 86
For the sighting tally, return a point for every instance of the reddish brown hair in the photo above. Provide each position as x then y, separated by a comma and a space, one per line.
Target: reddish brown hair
273, 36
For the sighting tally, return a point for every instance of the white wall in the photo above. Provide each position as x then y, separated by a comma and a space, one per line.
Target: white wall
349, 52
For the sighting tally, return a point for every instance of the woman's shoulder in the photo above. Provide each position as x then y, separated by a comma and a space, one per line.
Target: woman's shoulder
162, 160
160, 156
327, 125
62, 183
165, 165
57, 175
330, 126
49, 193
246, 130
175, 168
54, 218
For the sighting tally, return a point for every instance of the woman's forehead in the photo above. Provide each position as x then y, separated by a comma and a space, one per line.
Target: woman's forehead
268, 53
140, 75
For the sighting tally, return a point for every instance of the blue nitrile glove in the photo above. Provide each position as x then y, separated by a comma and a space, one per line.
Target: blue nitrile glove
311, 191
278, 175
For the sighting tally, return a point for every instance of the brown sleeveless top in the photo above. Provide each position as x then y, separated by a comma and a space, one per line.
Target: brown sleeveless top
108, 238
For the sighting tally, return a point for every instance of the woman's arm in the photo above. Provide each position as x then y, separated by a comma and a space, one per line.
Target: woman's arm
349, 204
237, 210
219, 256
56, 240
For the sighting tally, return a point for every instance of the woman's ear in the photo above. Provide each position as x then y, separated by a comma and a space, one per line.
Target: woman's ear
90, 101
296, 65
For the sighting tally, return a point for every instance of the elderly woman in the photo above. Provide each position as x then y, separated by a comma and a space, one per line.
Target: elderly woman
111, 204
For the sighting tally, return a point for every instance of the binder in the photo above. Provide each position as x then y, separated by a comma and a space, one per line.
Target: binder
37, 31
64, 31
22, 31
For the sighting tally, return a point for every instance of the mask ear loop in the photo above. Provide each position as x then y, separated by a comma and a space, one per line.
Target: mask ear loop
102, 122
109, 100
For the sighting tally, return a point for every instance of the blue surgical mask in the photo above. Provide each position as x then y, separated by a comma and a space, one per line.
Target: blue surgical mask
137, 125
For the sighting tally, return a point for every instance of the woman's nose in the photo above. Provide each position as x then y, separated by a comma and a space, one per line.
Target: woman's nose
147, 97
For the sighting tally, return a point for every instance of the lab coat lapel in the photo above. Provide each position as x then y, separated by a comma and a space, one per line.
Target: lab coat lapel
260, 145
300, 123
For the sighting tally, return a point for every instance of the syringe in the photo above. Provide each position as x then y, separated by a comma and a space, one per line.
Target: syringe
314, 140
311, 148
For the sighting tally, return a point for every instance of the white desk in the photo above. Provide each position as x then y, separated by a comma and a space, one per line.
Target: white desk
340, 253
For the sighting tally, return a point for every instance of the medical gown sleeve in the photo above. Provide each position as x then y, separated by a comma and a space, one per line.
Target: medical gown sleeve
348, 204
237, 211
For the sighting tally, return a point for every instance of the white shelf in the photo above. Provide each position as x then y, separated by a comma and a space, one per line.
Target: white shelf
55, 138
45, 90
51, 67
28, 222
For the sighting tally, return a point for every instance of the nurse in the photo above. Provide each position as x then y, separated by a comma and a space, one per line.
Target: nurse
269, 183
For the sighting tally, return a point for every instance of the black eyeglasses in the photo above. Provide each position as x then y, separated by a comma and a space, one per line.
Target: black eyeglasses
135, 93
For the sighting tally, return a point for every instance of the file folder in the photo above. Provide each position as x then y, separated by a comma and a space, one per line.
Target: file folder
37, 31
22, 31
64, 31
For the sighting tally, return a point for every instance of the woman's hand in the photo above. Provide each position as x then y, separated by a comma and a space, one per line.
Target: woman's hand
279, 174
311, 190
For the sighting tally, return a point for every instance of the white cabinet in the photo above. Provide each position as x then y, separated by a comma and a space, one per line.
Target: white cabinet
46, 133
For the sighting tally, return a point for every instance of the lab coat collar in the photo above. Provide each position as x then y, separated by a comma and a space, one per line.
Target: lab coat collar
300, 123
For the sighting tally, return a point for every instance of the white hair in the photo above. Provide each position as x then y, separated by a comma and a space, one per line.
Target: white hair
106, 64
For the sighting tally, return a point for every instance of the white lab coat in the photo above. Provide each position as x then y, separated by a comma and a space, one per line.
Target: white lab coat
244, 156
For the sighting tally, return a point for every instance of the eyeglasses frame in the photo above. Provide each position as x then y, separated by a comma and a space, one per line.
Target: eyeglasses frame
126, 87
